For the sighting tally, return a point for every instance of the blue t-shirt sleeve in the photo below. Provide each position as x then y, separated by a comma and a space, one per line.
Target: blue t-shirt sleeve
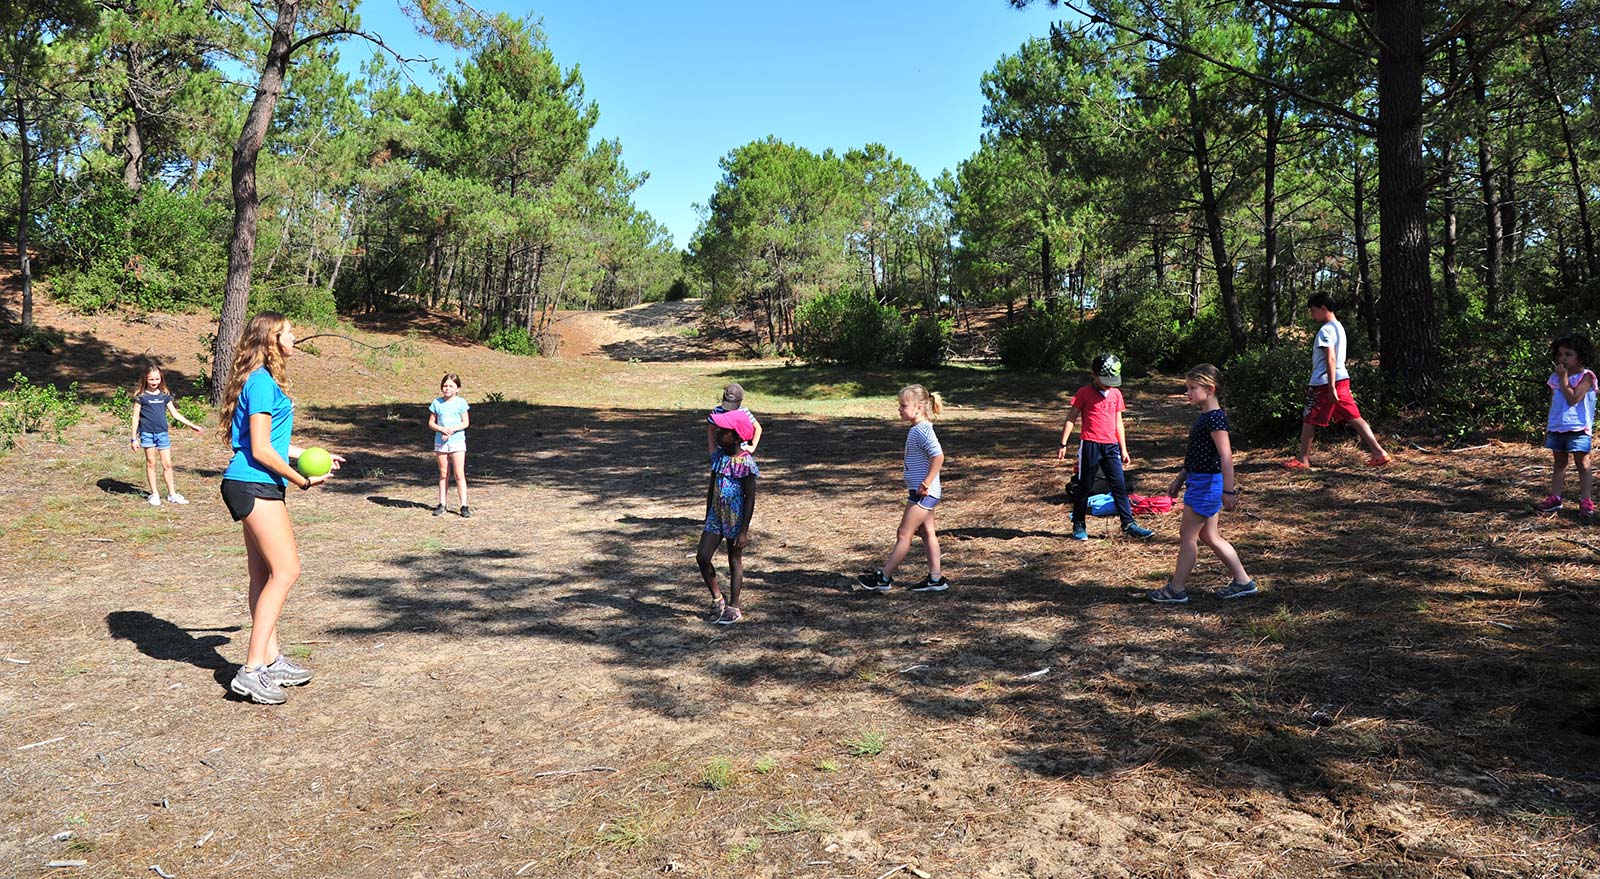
433, 407
1219, 420
930, 443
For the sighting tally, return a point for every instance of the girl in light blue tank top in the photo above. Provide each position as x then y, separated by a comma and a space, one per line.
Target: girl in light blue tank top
1569, 428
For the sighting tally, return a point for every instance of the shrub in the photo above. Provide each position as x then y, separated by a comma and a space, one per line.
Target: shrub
41, 339
928, 342
1040, 340
1265, 392
1141, 327
847, 327
29, 408
513, 340
679, 291
1204, 339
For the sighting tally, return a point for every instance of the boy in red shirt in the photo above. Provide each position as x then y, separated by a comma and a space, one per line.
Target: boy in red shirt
1103, 445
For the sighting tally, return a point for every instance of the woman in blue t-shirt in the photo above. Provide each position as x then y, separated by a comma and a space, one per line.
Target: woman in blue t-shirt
1209, 488
258, 417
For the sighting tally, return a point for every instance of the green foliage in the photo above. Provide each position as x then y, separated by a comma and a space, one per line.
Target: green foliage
160, 251
119, 403
1141, 327
29, 408
302, 303
765, 765
928, 342
1265, 392
197, 409
846, 327
1204, 339
1040, 340
43, 340
869, 743
719, 774
679, 291
513, 340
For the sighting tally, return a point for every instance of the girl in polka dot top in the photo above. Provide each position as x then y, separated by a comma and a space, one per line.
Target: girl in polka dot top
1207, 477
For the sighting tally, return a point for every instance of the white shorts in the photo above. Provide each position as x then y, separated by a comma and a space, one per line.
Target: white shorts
456, 443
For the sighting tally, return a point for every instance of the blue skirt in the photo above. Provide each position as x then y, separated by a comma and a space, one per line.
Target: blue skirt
1203, 493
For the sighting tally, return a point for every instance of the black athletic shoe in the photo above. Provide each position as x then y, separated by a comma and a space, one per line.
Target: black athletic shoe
438, 509
875, 582
466, 513
932, 585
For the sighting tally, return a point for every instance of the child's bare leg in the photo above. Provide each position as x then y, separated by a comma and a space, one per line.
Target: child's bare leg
910, 523
1368, 439
735, 572
444, 474
1558, 474
704, 557
1585, 475
150, 460
1307, 432
166, 468
930, 540
1212, 537
1188, 548
458, 461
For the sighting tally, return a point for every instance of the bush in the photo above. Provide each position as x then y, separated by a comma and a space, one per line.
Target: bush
928, 343
1040, 340
513, 340
161, 251
1265, 392
29, 408
41, 339
1202, 340
1141, 327
678, 292
846, 327
301, 303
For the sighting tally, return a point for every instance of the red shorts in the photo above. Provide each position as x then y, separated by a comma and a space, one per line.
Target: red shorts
1324, 408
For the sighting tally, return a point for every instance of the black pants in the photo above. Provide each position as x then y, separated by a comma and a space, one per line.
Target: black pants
1107, 457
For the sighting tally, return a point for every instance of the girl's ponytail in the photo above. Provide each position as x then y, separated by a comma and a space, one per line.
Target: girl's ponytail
928, 403
935, 404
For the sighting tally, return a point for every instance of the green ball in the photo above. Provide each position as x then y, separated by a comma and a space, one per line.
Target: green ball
314, 462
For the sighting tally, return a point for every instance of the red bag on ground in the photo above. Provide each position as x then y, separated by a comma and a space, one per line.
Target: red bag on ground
1150, 506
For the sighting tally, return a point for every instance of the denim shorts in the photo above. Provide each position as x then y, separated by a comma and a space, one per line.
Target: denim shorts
925, 501
1202, 493
1569, 441
456, 443
159, 440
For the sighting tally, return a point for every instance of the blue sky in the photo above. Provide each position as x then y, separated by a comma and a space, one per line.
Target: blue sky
682, 84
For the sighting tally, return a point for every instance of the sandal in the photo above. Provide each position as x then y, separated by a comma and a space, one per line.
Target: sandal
1295, 464
730, 615
718, 605
1165, 595
1380, 462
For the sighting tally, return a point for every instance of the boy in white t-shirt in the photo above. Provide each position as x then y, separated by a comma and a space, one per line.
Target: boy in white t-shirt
1329, 399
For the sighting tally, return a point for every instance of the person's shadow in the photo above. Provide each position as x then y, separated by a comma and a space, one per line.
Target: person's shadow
159, 639
117, 486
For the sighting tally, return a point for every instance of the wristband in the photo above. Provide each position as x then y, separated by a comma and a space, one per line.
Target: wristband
1225, 491
307, 486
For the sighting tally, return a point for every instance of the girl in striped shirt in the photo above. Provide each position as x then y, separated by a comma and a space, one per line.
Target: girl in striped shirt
923, 460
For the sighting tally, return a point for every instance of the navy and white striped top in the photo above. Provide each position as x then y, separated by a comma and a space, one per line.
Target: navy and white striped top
922, 446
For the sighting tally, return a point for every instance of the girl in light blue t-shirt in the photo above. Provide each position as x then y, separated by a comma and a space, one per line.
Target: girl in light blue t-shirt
448, 419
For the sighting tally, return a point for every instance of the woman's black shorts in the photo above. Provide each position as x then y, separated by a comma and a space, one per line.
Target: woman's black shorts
241, 496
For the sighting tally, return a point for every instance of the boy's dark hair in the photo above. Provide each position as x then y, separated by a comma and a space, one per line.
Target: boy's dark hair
1580, 345
1322, 300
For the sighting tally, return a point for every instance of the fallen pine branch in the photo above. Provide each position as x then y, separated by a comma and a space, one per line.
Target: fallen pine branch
347, 339
1589, 546
574, 771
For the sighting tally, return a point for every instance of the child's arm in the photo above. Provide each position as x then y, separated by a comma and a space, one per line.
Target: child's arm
434, 425
711, 437
1066, 432
172, 409
1333, 375
934, 465
1177, 483
748, 486
261, 450
133, 427
1574, 394
466, 421
755, 440
1122, 440
1230, 491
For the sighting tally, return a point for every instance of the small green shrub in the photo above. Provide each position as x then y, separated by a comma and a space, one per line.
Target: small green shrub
765, 765
513, 340
851, 328
1265, 392
29, 408
678, 292
928, 342
41, 339
1040, 340
197, 409
869, 744
118, 403
719, 774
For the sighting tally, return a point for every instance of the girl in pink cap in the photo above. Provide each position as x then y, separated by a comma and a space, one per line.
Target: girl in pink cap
730, 501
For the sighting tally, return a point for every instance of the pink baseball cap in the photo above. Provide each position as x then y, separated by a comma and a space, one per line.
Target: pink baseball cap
737, 421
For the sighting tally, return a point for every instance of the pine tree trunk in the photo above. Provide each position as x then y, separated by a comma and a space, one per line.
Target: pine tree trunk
246, 203
24, 206
1493, 235
1408, 353
1365, 305
1213, 217
1589, 256
1447, 268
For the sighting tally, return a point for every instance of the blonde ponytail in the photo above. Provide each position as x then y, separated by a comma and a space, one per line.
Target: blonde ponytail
928, 402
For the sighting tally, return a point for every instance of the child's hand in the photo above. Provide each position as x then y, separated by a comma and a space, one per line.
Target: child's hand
743, 540
1229, 501
338, 461
446, 432
133, 444
197, 428
1561, 371
1126, 459
316, 480
1061, 453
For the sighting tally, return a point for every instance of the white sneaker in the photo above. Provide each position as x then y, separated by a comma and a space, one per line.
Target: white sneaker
176, 498
155, 500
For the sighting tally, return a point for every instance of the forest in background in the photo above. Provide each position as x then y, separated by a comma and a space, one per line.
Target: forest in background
1165, 179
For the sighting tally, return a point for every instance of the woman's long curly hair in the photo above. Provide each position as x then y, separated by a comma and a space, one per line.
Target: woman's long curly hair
258, 346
